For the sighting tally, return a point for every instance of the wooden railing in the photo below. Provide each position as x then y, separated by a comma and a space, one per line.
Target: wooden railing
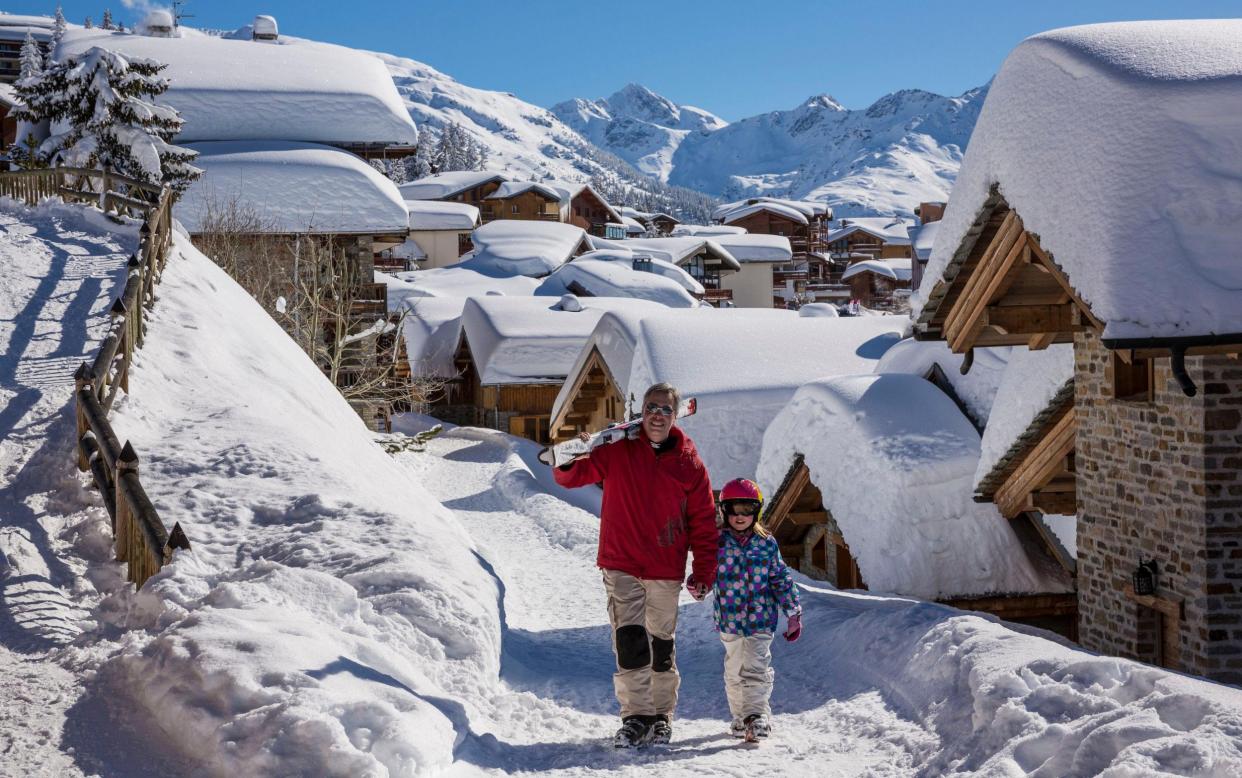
74, 184
141, 539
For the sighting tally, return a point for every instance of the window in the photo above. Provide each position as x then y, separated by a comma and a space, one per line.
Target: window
1133, 377
514, 207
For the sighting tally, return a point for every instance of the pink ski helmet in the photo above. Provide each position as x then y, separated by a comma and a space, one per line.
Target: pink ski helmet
741, 490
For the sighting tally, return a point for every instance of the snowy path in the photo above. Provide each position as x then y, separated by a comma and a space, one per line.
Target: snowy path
61, 271
556, 647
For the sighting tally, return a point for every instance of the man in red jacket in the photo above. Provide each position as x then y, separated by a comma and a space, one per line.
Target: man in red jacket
657, 506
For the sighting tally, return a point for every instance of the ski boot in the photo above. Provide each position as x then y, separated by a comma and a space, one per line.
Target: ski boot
757, 727
633, 733
661, 731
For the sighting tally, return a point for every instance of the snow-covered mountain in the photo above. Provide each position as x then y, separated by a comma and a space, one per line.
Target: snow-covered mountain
638, 125
903, 149
529, 141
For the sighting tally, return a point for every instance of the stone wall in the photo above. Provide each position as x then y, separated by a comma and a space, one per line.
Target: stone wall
1159, 480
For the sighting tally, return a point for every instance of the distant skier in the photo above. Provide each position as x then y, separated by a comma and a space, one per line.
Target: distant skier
752, 584
657, 507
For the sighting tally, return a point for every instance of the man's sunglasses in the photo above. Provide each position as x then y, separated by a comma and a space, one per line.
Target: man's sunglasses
666, 410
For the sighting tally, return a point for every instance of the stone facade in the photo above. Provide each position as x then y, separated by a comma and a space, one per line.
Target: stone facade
1161, 479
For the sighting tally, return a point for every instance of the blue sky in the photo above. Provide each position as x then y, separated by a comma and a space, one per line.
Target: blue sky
730, 57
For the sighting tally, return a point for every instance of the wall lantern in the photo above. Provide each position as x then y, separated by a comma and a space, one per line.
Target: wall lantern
1145, 577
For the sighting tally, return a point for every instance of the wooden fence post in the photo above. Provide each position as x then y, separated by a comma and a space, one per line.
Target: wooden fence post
128, 539
82, 379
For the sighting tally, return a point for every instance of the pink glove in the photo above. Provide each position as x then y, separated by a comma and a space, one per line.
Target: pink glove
697, 590
794, 629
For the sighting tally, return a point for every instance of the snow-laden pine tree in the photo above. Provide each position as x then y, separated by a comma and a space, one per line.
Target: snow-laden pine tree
32, 58
426, 160
106, 24
88, 24
103, 115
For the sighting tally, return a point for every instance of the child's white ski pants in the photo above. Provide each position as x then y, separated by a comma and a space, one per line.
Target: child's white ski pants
748, 673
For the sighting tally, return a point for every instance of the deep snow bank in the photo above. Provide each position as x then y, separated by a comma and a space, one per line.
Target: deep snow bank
1003, 703
331, 611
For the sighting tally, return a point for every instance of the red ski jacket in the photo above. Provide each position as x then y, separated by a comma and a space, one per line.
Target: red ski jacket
657, 506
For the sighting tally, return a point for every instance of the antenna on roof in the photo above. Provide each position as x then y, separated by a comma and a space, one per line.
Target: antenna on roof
177, 15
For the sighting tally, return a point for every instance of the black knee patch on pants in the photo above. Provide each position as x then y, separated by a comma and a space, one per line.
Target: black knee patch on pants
633, 648
661, 654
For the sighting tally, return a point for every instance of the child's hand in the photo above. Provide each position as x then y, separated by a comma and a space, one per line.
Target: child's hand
697, 590
794, 629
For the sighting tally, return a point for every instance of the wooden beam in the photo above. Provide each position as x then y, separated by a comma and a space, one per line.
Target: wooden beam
998, 276
1085, 310
1044, 463
1053, 503
1041, 341
1029, 319
1005, 238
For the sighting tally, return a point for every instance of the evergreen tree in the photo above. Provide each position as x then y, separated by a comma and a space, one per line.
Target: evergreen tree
88, 24
32, 58
425, 161
106, 24
107, 104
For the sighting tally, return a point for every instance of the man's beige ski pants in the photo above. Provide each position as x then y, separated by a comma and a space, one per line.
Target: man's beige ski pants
643, 615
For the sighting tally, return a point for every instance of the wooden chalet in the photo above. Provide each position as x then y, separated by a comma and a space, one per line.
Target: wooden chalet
586, 209
877, 283
13, 31
812, 542
1086, 453
522, 200
663, 224
878, 237
459, 186
597, 400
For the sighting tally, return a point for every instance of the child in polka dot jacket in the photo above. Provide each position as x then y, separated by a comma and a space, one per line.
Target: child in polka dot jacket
752, 585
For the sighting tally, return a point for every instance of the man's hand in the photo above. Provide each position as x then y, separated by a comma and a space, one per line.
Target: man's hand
697, 590
794, 630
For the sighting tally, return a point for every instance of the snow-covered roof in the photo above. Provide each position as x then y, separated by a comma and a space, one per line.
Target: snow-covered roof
510, 189
924, 239
889, 229
808, 208
528, 340
242, 90
441, 215
897, 268
292, 188
466, 280
1117, 144
632, 226
708, 230
676, 250
743, 365
1027, 386
661, 267
894, 458
444, 185
756, 248
780, 209
15, 27
977, 389
602, 278
528, 248
431, 329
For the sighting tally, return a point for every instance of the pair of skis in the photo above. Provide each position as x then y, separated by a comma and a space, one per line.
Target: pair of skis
567, 451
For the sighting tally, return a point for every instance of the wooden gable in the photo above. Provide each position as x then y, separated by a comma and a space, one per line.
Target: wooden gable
1038, 473
1003, 289
809, 538
594, 401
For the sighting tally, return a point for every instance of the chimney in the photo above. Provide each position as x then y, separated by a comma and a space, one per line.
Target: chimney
930, 212
264, 28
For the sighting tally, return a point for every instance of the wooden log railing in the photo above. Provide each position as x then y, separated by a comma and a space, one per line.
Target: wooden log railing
85, 185
141, 539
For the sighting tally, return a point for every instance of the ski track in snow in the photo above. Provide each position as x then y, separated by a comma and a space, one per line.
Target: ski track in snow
559, 716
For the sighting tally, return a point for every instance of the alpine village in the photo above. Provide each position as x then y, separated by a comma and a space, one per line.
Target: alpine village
292, 330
